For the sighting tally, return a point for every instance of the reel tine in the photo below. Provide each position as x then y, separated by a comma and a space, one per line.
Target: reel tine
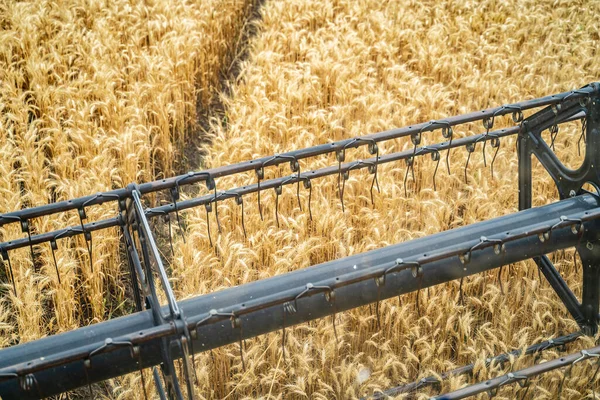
374, 149
562, 381
337, 339
278, 191
308, 185
25, 227
208, 207
175, 195
6, 257
331, 298
87, 235
488, 123
495, 144
418, 273
409, 166
260, 174
341, 156
553, 136
448, 133
435, 156
185, 361
470, 149
582, 137
240, 201
217, 208
295, 167
86, 365
345, 177
500, 279
53, 248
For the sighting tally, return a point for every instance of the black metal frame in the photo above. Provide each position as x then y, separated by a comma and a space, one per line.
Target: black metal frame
569, 183
161, 334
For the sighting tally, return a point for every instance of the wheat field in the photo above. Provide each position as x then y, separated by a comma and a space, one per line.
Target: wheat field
315, 72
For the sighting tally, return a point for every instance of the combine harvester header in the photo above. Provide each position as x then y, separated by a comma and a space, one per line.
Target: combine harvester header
159, 334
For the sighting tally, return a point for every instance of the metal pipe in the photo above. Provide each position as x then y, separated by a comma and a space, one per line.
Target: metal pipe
263, 298
467, 369
521, 377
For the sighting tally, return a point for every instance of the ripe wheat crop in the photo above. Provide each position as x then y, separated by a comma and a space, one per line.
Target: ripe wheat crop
95, 95
316, 72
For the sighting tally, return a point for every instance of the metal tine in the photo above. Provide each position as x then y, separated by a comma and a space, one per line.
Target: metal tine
374, 150
554, 128
495, 143
553, 135
470, 149
278, 191
357, 164
585, 355
159, 386
260, 174
285, 306
214, 185
448, 133
27, 383
87, 235
240, 201
418, 273
379, 282
237, 322
488, 123
183, 344
415, 138
210, 184
330, 296
175, 195
25, 228
208, 207
6, 258
295, 167
53, 248
308, 185
87, 379
341, 157
400, 265
167, 218
582, 137
335, 334
435, 156
409, 166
